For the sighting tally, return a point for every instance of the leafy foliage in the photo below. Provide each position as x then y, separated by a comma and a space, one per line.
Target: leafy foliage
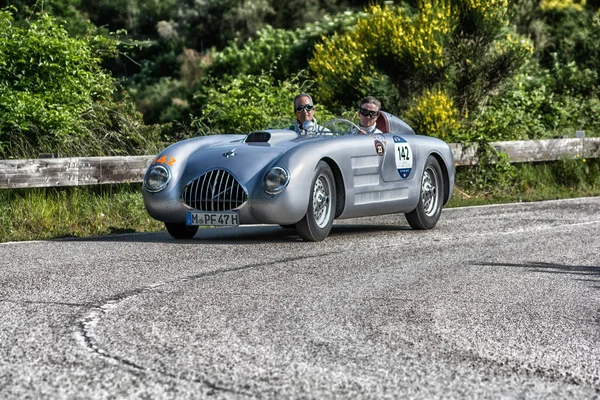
47, 79
248, 103
394, 42
530, 109
282, 52
493, 173
294, 14
67, 11
163, 101
450, 67
556, 93
461, 47
54, 95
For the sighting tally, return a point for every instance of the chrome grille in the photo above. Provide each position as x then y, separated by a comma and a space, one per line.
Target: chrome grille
217, 190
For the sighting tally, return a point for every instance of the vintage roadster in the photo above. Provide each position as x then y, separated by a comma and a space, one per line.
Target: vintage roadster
300, 181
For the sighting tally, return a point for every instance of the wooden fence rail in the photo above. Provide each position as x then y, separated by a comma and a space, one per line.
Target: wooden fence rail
48, 172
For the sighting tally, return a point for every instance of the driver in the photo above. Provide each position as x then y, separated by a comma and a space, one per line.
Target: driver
368, 111
305, 111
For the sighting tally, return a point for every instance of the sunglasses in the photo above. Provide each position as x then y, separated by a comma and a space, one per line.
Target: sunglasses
307, 107
368, 113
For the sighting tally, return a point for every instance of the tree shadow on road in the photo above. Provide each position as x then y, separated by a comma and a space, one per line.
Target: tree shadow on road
587, 273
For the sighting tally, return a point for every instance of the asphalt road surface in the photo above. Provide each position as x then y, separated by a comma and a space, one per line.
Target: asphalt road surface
495, 302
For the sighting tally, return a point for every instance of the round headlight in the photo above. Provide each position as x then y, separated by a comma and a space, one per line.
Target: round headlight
276, 180
157, 178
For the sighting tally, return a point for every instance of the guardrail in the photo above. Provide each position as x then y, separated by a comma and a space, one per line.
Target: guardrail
79, 171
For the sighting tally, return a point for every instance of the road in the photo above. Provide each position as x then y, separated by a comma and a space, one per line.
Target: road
495, 302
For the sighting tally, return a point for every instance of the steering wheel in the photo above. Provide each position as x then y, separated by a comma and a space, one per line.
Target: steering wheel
336, 127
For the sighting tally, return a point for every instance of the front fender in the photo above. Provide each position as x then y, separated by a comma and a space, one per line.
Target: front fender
289, 206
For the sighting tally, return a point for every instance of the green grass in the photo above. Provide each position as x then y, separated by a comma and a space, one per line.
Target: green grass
526, 182
48, 213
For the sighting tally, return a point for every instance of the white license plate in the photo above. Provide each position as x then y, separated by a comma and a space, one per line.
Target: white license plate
224, 218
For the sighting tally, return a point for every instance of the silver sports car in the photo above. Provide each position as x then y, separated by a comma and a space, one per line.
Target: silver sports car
300, 180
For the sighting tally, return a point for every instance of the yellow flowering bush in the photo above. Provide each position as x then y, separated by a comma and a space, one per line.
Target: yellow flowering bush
394, 32
562, 4
512, 43
386, 39
489, 9
463, 47
341, 72
433, 113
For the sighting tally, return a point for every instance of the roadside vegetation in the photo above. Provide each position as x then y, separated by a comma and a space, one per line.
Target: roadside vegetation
49, 213
129, 78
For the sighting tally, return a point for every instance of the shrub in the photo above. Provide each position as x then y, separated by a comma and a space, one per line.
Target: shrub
47, 79
532, 108
462, 48
433, 113
55, 97
163, 101
248, 103
282, 52
388, 42
562, 4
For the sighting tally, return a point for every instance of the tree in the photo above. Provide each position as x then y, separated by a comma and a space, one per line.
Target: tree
67, 11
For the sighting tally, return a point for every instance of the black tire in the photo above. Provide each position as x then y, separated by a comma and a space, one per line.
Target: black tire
431, 198
181, 231
316, 224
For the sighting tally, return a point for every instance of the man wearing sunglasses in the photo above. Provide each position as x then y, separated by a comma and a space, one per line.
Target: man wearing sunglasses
305, 111
368, 111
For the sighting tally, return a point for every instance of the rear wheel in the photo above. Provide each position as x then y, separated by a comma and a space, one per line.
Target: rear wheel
181, 231
429, 208
316, 224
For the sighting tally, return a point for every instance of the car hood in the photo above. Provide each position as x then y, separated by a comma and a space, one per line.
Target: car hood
243, 160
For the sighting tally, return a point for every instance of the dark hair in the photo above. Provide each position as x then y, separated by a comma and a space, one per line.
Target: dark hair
302, 95
370, 99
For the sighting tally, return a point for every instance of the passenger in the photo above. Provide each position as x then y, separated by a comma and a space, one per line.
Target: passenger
305, 111
368, 111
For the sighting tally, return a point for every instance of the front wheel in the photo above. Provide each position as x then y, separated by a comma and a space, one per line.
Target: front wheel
181, 231
316, 224
429, 208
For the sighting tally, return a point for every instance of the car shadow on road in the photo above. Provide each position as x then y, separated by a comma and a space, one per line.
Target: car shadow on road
243, 235
587, 273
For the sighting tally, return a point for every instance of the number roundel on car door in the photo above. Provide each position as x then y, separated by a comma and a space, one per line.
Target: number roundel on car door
403, 156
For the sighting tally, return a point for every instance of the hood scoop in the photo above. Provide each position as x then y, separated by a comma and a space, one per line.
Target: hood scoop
258, 137
271, 137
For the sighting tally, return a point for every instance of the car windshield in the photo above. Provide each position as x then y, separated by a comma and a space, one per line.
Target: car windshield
335, 127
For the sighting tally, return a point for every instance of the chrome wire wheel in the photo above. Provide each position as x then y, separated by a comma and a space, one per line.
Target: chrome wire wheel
320, 211
322, 200
431, 197
429, 194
